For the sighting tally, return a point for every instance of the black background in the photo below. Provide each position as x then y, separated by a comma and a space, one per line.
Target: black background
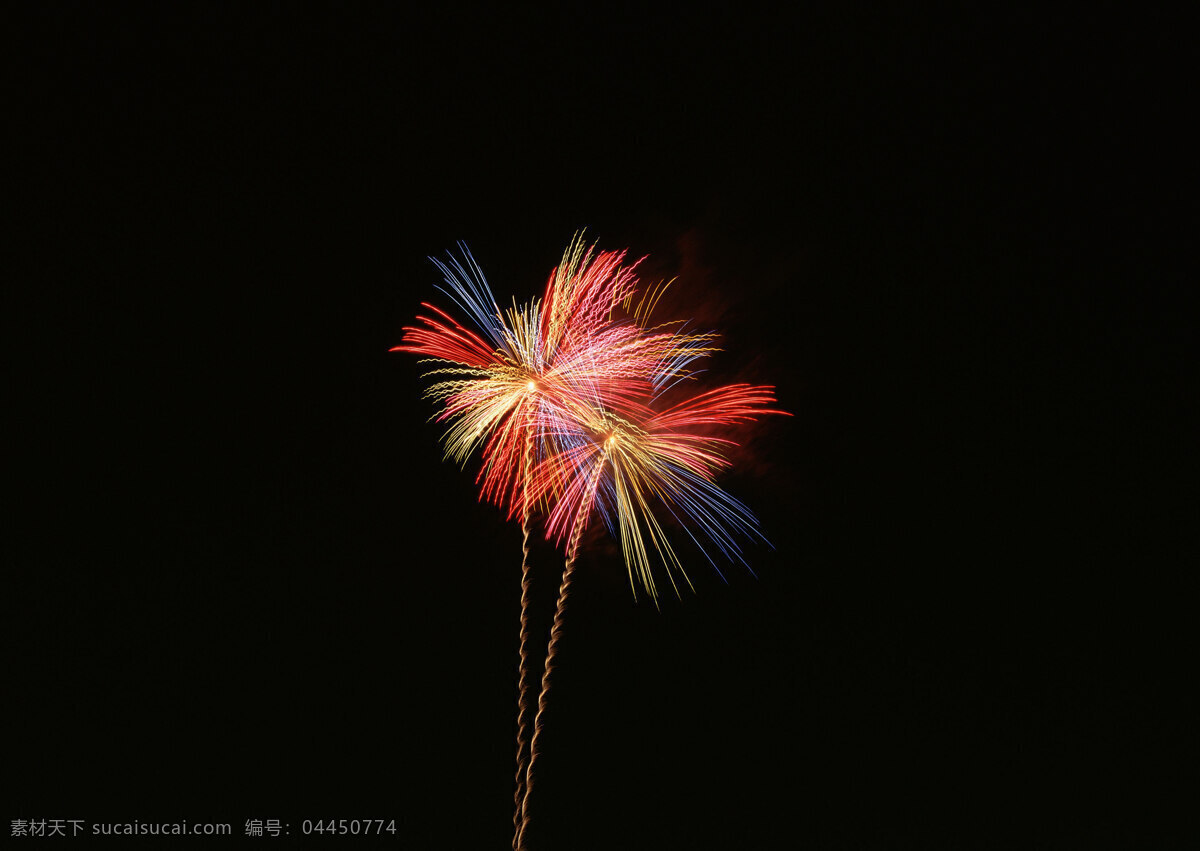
248, 587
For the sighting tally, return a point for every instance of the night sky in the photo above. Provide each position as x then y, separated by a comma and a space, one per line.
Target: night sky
249, 587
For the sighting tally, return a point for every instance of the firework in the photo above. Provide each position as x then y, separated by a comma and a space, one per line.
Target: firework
562, 400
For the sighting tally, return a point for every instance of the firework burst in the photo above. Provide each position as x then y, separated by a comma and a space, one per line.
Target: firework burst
538, 369
630, 471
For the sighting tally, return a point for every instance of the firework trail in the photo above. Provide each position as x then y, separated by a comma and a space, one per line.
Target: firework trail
619, 467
